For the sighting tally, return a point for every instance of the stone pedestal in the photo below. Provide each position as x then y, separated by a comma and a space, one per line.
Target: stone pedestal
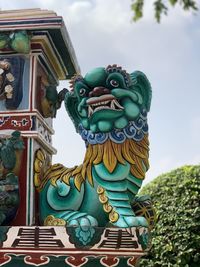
72, 246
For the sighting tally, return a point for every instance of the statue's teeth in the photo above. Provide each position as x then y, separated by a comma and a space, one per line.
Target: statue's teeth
100, 103
108, 104
112, 105
116, 103
90, 111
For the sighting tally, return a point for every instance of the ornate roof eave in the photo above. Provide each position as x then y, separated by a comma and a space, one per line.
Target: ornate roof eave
38, 21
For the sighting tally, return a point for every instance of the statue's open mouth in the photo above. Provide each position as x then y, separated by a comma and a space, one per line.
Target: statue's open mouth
103, 102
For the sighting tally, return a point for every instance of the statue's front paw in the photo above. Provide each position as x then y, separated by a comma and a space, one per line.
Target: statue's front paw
53, 221
131, 221
84, 221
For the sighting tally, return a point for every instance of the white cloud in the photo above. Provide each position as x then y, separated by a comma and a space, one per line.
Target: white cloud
70, 146
161, 166
78, 11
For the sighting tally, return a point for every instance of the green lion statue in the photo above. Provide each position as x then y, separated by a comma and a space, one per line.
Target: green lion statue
109, 110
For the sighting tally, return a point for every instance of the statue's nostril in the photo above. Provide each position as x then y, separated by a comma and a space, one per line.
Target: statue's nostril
106, 91
98, 91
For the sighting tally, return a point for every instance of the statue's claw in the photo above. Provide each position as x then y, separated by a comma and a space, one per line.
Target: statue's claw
131, 221
84, 221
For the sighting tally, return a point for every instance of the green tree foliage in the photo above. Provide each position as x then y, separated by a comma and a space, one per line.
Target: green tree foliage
161, 7
176, 236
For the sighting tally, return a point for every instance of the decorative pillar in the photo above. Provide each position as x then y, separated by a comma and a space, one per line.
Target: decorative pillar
35, 53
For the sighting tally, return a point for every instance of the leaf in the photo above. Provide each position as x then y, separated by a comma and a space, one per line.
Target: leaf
189, 4
137, 8
159, 8
173, 2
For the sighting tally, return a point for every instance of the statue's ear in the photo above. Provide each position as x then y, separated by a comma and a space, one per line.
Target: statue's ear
141, 84
71, 105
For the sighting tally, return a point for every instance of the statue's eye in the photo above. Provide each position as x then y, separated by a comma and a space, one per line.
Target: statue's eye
114, 83
82, 92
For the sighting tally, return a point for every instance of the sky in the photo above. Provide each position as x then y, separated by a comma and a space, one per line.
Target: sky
103, 33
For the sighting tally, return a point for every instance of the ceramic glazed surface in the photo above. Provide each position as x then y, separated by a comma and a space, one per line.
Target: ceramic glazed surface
109, 109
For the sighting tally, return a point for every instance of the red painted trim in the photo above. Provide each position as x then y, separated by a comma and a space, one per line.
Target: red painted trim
19, 112
16, 122
6, 113
78, 259
61, 251
38, 47
20, 218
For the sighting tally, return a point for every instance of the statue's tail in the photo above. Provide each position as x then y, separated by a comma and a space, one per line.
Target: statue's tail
44, 172
143, 206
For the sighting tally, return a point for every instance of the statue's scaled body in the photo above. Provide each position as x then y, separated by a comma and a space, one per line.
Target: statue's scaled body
109, 109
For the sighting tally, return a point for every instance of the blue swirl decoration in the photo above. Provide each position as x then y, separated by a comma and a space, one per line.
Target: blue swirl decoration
83, 132
139, 135
101, 137
134, 130
138, 124
145, 128
130, 130
91, 138
117, 136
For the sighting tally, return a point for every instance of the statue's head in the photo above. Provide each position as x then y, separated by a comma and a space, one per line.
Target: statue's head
107, 98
